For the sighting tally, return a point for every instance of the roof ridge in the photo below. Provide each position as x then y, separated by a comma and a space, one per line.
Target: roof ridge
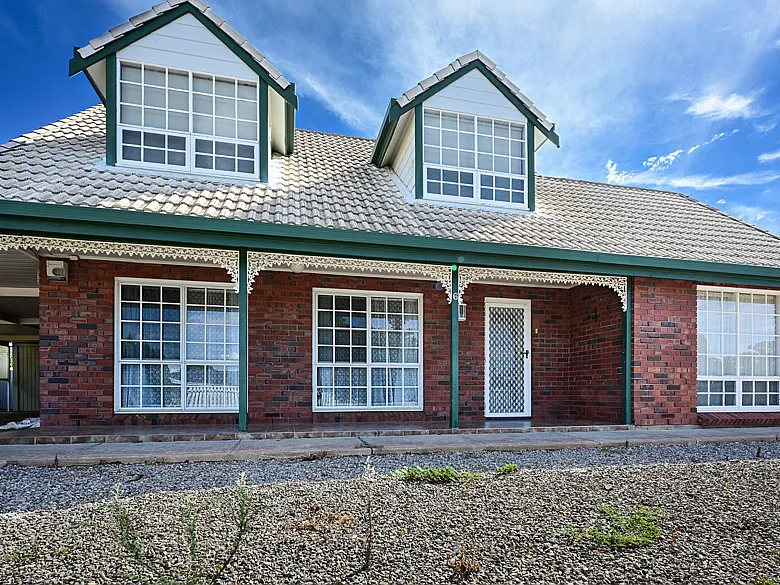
677, 193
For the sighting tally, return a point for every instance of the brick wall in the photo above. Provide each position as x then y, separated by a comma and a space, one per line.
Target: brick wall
664, 352
596, 367
77, 341
550, 397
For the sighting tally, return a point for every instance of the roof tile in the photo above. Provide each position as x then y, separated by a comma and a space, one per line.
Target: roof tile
329, 182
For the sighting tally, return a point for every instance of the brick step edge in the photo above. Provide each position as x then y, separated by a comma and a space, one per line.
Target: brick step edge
176, 437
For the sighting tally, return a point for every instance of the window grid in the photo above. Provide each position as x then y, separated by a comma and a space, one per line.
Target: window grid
738, 350
458, 149
160, 323
367, 351
204, 122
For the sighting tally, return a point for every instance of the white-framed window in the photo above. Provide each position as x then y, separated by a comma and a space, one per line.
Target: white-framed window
472, 159
186, 121
738, 349
176, 346
367, 350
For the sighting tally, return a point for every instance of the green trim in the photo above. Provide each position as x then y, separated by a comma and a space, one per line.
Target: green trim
628, 349
387, 129
289, 128
531, 169
111, 107
394, 111
454, 334
419, 180
44, 219
78, 63
265, 146
243, 341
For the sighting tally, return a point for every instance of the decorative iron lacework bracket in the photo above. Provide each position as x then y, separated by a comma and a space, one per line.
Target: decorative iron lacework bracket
468, 275
260, 261
227, 259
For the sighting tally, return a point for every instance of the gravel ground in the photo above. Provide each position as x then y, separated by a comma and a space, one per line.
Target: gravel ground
721, 526
36, 488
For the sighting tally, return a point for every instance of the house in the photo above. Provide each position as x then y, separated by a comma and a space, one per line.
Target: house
182, 253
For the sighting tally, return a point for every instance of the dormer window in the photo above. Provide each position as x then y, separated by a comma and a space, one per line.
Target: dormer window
474, 159
187, 121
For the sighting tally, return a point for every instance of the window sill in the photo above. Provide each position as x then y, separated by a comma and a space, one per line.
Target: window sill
377, 409
735, 410
174, 411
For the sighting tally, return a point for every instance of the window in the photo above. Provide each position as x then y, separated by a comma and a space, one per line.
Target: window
469, 158
738, 350
368, 351
177, 347
187, 121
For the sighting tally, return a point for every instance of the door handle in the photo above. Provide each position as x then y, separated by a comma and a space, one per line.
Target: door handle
527, 353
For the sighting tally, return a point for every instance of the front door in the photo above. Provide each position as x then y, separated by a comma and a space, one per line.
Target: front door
507, 358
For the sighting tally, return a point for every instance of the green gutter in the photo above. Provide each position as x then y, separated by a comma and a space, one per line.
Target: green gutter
44, 219
628, 350
454, 334
111, 110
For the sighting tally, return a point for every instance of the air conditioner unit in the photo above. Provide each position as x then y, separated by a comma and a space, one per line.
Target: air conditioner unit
57, 270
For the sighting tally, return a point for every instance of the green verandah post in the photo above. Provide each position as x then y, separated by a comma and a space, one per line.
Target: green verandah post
628, 340
243, 342
454, 350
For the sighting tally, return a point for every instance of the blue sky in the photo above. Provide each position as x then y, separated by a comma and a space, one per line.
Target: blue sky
664, 94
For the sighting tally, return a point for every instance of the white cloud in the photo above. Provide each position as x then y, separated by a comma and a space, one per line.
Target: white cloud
716, 137
661, 163
715, 106
699, 182
768, 219
721, 202
769, 156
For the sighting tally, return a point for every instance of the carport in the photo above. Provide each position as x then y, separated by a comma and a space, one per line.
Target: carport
19, 335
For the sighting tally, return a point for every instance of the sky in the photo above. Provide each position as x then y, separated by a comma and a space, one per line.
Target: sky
664, 94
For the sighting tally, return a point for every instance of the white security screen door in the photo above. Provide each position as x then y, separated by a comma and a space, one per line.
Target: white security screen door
507, 358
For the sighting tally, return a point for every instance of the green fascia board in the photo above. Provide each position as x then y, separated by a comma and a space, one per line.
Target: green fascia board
264, 143
395, 111
115, 225
78, 63
289, 128
111, 109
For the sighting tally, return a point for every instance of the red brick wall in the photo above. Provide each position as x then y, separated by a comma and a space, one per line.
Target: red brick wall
596, 367
664, 352
550, 336
77, 346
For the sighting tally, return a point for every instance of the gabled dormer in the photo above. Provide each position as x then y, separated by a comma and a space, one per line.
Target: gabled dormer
465, 135
186, 93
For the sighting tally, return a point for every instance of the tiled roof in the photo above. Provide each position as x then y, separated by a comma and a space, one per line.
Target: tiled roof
117, 32
461, 62
329, 182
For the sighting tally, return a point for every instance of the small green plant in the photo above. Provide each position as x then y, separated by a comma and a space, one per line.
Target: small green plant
242, 512
765, 581
638, 528
436, 475
507, 469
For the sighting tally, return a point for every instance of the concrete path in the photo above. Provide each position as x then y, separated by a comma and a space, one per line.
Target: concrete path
233, 450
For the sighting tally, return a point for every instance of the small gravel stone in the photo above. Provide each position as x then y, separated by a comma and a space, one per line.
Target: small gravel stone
721, 522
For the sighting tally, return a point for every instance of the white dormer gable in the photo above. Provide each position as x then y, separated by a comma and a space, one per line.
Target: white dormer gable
187, 44
466, 136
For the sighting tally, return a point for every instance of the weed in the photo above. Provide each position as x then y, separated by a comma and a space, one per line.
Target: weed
465, 563
127, 537
639, 528
436, 475
320, 521
507, 469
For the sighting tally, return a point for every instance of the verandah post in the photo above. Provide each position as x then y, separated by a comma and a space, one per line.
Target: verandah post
454, 306
628, 340
243, 341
